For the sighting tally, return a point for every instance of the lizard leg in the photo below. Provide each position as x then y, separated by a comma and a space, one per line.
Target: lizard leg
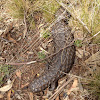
53, 85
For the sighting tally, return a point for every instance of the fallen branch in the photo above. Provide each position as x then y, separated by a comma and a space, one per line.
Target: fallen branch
92, 36
96, 34
25, 28
24, 63
31, 62
60, 89
57, 20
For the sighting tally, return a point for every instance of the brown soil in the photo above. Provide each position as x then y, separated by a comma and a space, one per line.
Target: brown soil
15, 49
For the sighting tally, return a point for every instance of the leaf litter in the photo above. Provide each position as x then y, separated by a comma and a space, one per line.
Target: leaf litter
27, 72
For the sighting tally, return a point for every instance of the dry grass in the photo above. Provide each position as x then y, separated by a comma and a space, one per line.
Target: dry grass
88, 11
21, 7
85, 11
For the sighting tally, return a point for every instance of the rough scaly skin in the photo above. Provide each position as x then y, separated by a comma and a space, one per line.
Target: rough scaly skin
62, 61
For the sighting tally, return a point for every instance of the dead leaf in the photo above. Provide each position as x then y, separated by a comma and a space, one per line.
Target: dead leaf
79, 35
22, 86
30, 95
94, 59
80, 85
79, 53
44, 50
9, 28
6, 34
75, 83
11, 39
67, 98
1, 32
25, 26
48, 94
18, 73
74, 86
1, 95
57, 98
41, 25
30, 53
8, 95
24, 32
1, 58
7, 87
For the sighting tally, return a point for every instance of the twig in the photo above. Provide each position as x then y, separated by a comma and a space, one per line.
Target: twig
36, 41
25, 29
57, 20
60, 89
9, 29
25, 11
24, 63
79, 77
5, 40
74, 16
42, 59
32, 45
96, 34
58, 51
24, 47
31, 62
93, 36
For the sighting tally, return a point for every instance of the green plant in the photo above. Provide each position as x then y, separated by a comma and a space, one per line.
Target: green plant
5, 70
94, 86
78, 43
46, 34
41, 54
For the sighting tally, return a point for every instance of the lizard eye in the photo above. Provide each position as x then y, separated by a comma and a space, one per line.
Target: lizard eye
66, 21
67, 3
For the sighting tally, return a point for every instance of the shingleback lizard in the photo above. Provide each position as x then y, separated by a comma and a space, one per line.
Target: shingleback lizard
61, 62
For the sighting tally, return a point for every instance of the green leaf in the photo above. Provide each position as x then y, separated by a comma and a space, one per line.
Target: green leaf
41, 55
78, 43
46, 35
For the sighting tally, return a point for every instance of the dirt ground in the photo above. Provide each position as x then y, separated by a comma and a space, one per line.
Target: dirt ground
16, 50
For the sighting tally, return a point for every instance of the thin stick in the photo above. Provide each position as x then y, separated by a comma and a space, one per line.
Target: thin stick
25, 28
96, 34
50, 55
57, 20
42, 59
92, 36
60, 89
